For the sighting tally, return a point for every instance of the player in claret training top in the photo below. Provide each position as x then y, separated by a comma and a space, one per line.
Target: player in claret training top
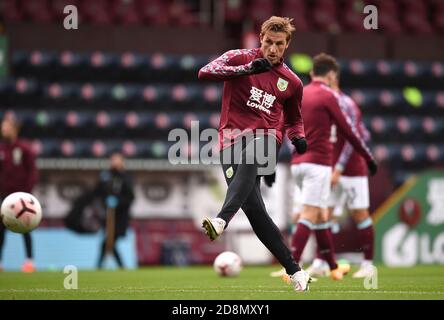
349, 189
312, 171
258, 89
18, 173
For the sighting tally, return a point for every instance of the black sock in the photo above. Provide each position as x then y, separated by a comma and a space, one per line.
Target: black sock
102, 254
28, 245
267, 231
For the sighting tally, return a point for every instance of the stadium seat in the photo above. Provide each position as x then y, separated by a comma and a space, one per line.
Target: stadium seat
154, 12
412, 153
10, 10
438, 19
41, 59
69, 59
37, 10
112, 121
382, 126
181, 14
96, 12
130, 60
73, 148
324, 16
434, 153
352, 20
126, 12
416, 20
59, 91
89, 91
260, 10
387, 152
46, 148
409, 127
433, 126
390, 98
419, 7
234, 10
297, 10
27, 87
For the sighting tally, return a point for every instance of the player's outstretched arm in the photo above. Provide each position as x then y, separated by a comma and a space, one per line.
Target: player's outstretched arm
231, 65
351, 133
293, 121
352, 110
344, 156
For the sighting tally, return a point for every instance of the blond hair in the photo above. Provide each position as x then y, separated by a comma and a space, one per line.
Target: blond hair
278, 24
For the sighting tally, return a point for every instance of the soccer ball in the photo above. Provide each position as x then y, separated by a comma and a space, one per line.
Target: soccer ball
21, 212
227, 264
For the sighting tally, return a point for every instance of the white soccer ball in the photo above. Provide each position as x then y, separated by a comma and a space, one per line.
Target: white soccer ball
21, 212
227, 264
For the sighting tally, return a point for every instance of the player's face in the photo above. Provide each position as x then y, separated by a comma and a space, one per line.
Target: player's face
9, 131
335, 82
332, 78
273, 45
117, 162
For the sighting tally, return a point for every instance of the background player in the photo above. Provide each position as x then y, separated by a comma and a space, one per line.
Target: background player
18, 172
350, 188
115, 189
258, 89
312, 171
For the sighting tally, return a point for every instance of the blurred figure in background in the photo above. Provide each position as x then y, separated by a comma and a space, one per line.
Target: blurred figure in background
18, 172
350, 188
322, 107
115, 189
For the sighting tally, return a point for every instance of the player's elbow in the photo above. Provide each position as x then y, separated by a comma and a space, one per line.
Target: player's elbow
202, 75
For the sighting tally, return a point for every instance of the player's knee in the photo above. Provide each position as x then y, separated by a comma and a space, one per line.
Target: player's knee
360, 215
310, 213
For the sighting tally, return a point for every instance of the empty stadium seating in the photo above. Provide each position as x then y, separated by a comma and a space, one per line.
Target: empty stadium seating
89, 104
395, 17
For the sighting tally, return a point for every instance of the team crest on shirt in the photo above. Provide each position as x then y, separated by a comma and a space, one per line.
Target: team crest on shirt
282, 84
229, 172
17, 156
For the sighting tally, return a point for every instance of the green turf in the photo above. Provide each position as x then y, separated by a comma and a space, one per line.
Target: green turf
424, 282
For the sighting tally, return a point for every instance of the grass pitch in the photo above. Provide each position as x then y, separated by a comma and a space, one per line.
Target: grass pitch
201, 283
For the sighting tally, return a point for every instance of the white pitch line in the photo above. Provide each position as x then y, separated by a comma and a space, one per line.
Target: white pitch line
42, 290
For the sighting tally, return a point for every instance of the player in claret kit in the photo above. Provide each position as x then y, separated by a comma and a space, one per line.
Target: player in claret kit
258, 89
18, 172
322, 107
350, 188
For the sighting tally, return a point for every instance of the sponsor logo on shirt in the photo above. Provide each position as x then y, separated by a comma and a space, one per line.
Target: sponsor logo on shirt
261, 100
282, 84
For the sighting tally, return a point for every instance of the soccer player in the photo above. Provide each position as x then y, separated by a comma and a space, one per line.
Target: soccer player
350, 187
312, 171
18, 172
258, 89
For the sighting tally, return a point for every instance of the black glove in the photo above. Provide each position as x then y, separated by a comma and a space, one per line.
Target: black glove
372, 167
260, 65
300, 144
270, 179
